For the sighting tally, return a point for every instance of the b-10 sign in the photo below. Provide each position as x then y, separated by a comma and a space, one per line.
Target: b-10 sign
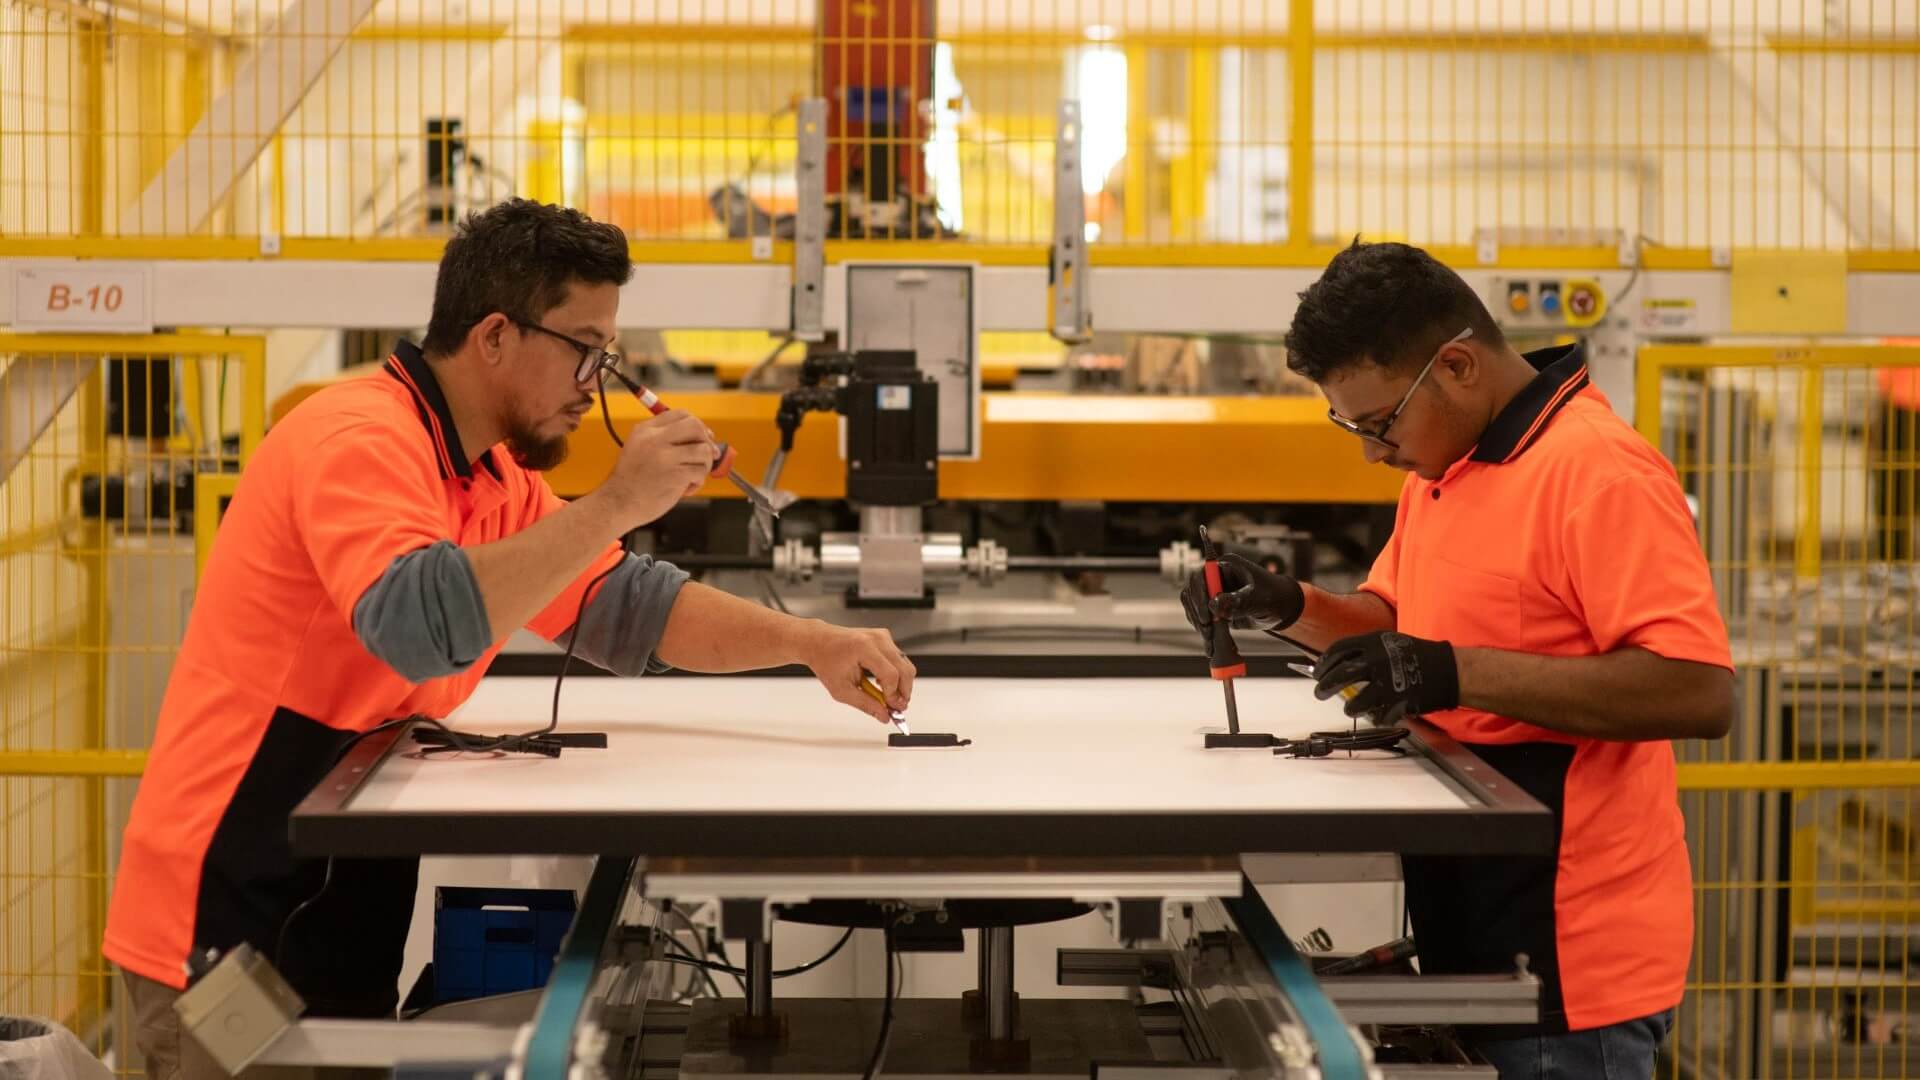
78, 297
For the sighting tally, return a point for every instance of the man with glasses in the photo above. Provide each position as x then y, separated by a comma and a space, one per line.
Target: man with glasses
386, 538
1543, 599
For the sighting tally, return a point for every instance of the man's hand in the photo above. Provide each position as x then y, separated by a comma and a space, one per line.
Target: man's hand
1251, 597
1403, 675
838, 656
665, 460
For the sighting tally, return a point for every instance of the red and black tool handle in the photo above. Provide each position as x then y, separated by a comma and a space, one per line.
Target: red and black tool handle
1223, 656
723, 454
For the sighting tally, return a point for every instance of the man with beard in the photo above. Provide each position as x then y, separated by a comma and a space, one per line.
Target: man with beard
387, 537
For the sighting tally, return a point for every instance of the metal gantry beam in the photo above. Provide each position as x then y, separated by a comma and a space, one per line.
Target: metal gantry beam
242, 121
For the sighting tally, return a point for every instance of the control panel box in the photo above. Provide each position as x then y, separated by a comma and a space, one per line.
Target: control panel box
1546, 302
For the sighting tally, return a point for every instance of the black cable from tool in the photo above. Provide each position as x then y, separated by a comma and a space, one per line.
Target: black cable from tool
683, 958
280, 942
540, 741
440, 738
687, 958
437, 737
802, 969
886, 1014
605, 416
1311, 654
1351, 740
783, 973
286, 924
660, 931
704, 941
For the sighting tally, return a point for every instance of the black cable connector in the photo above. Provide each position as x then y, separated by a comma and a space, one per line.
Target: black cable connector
830, 365
1325, 743
926, 739
439, 741
796, 404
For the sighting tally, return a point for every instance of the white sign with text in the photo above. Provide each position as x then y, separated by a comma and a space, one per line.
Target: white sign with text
80, 297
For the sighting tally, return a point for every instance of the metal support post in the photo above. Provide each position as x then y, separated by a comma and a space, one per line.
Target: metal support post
810, 224
1071, 320
996, 984
759, 979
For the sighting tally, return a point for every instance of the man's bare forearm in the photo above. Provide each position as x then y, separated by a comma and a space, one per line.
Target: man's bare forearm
1330, 616
521, 574
1628, 694
714, 631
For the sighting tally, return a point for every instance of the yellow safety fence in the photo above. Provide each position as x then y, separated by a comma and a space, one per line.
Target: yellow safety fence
113, 451
1215, 131
1802, 463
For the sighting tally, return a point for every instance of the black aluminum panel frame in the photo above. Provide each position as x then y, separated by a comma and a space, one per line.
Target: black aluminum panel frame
1496, 818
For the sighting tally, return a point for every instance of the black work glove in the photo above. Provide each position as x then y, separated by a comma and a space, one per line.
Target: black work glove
1404, 675
1251, 597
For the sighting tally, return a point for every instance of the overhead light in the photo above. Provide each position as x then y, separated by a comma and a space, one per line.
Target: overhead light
1101, 32
1098, 80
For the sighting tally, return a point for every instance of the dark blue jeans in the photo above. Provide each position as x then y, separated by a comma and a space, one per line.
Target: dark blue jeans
1622, 1051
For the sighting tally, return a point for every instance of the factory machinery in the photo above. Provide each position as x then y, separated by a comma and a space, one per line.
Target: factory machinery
909, 498
1205, 985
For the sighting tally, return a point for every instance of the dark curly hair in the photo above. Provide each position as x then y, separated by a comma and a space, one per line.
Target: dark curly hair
1386, 304
517, 258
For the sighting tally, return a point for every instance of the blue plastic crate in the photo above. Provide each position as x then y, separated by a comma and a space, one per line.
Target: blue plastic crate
496, 941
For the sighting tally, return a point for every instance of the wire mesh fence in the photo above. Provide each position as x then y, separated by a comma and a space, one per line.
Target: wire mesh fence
1252, 130
106, 443
1802, 465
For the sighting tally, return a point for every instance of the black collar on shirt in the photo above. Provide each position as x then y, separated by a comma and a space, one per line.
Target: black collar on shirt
409, 365
1562, 374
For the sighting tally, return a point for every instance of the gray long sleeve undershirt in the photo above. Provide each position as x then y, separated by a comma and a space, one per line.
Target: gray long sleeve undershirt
426, 619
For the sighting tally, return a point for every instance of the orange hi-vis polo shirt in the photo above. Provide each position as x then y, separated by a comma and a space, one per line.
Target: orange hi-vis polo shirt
1563, 534
271, 681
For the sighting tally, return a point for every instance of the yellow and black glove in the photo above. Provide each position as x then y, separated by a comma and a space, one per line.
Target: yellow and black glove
1403, 675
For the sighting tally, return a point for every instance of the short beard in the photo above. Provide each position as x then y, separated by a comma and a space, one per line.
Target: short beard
533, 452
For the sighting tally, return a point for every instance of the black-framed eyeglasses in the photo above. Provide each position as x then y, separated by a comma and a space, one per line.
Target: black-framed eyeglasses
593, 358
1378, 435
